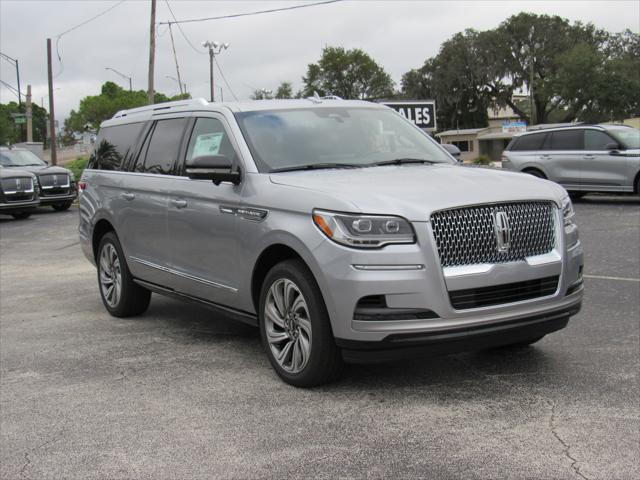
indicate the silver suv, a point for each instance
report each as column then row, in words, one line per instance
column 585, row 158
column 339, row 228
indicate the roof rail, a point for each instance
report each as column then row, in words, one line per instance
column 318, row 99
column 331, row 97
column 161, row 106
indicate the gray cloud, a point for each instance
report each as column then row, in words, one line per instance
column 264, row 50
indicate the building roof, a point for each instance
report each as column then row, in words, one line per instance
column 466, row 131
column 497, row 135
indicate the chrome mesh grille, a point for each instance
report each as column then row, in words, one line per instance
column 466, row 236
column 58, row 180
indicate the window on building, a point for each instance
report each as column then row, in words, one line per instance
column 162, row 147
column 464, row 145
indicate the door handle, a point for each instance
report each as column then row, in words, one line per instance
column 589, row 157
column 128, row 196
column 179, row 203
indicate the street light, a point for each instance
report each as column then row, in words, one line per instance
column 184, row 85
column 121, row 74
column 215, row 48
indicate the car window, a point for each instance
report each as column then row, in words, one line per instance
column 162, row 147
column 113, row 145
column 628, row 137
column 567, row 140
column 597, row 140
column 529, row 142
column 19, row 158
column 209, row 137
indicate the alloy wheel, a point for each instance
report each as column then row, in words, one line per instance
column 110, row 275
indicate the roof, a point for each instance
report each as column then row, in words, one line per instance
column 497, row 135
column 467, row 131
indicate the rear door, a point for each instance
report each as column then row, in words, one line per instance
column 564, row 156
column 202, row 219
column 603, row 168
column 145, row 200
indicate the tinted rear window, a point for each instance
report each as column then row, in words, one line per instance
column 529, row 142
column 114, row 145
column 567, row 140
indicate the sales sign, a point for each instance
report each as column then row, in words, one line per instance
column 422, row 113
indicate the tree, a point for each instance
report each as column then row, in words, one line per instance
column 261, row 94
column 93, row 110
column 350, row 74
column 284, row 90
column 10, row 132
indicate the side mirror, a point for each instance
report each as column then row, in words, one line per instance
column 46, row 161
column 612, row 146
column 217, row 168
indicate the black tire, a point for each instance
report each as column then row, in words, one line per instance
column 576, row 195
column 132, row 299
column 536, row 173
column 638, row 185
column 61, row 207
column 21, row 215
column 324, row 360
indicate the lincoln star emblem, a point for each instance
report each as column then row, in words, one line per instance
column 55, row 180
column 18, row 184
column 502, row 230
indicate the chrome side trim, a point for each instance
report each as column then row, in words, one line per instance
column 183, row 275
column 388, row 267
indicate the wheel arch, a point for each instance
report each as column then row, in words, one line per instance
column 636, row 183
column 102, row 227
column 529, row 168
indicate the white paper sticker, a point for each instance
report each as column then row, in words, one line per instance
column 207, row 144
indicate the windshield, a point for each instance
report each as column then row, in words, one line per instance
column 629, row 137
column 19, row 158
column 331, row 137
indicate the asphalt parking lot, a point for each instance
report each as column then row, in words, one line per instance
column 183, row 393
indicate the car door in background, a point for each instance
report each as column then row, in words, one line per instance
column 144, row 225
column 603, row 165
column 562, row 154
column 202, row 220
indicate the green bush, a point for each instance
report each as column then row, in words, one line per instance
column 482, row 160
column 77, row 166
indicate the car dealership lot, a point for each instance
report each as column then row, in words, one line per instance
column 183, row 393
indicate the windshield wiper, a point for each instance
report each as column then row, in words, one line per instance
column 316, row 166
column 402, row 161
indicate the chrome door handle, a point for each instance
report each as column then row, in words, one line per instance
column 179, row 203
column 589, row 157
column 128, row 196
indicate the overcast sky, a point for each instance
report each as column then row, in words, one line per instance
column 264, row 49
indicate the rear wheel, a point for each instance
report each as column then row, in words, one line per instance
column 121, row 296
column 523, row 343
column 638, row 185
column 295, row 328
column 61, row 207
column 576, row 195
column 21, row 215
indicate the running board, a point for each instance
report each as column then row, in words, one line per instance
column 238, row 315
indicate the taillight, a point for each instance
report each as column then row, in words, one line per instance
column 82, row 185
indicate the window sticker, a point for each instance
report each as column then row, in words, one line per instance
column 207, row 144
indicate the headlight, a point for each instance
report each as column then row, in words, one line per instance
column 567, row 211
column 72, row 177
column 363, row 231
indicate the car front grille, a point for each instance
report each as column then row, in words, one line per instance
column 18, row 189
column 467, row 236
column 505, row 293
column 54, row 180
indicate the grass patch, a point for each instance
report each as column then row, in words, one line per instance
column 77, row 166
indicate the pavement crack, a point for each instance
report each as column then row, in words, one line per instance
column 22, row 472
column 565, row 446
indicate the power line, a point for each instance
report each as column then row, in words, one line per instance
column 59, row 36
column 259, row 12
column 10, row 87
column 224, row 78
column 182, row 31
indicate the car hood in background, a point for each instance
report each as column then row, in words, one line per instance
column 414, row 191
column 44, row 169
column 14, row 172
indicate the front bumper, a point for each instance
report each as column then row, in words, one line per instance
column 17, row 207
column 419, row 283
column 55, row 199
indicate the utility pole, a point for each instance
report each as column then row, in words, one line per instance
column 175, row 57
column 29, row 116
column 215, row 48
column 52, row 117
column 152, row 52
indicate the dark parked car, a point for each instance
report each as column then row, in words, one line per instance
column 453, row 150
column 56, row 185
column 18, row 193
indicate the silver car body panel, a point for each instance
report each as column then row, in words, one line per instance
column 204, row 240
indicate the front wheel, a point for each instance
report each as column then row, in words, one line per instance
column 21, row 215
column 61, row 207
column 295, row 328
column 121, row 296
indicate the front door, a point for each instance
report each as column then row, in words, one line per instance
column 563, row 156
column 202, row 221
column 603, row 167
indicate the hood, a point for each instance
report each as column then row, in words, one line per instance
column 44, row 169
column 14, row 173
column 414, row 191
